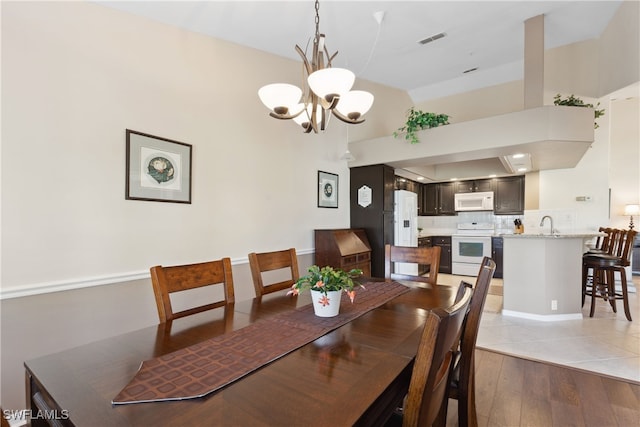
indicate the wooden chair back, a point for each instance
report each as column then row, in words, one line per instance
column 418, row 255
column 462, row 378
column 270, row 261
column 430, row 375
column 167, row 280
column 625, row 246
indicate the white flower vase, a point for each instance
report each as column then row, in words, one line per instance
column 326, row 305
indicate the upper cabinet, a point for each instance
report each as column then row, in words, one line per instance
column 509, row 196
column 475, row 185
column 438, row 199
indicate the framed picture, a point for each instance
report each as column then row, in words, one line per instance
column 158, row 169
column 327, row 190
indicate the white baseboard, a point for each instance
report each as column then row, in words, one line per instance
column 543, row 317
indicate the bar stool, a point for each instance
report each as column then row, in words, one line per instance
column 604, row 245
column 604, row 267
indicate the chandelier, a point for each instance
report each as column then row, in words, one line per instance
column 326, row 91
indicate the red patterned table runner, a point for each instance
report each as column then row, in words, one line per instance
column 202, row 368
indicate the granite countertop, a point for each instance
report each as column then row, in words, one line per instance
column 553, row 236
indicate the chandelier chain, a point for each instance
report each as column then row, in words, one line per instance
column 317, row 36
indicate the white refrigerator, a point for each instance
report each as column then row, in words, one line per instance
column 405, row 216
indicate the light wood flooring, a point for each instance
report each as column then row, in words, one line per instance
column 512, row 391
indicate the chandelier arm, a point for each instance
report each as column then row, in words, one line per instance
column 307, row 66
column 326, row 51
column 285, row 116
column 346, row 119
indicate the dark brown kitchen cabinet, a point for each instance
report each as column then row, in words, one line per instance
column 445, row 252
column 509, row 196
column 496, row 255
column 425, row 242
column 438, row 199
column 473, row 186
column 376, row 216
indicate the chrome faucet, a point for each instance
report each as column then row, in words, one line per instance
column 550, row 222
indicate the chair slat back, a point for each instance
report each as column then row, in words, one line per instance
column 627, row 238
column 430, row 376
column 270, row 261
column 168, row 280
column 418, row 255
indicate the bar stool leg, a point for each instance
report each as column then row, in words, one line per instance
column 611, row 289
column 625, row 295
column 595, row 284
column 585, row 279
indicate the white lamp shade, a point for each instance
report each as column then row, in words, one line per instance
column 280, row 95
column 632, row 210
column 331, row 81
column 304, row 116
column 355, row 101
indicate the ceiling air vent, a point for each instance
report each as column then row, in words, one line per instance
column 432, row 38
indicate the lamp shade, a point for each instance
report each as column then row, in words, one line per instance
column 337, row 81
column 355, row 101
column 278, row 95
column 632, row 210
column 304, row 116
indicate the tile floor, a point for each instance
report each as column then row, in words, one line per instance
column 607, row 343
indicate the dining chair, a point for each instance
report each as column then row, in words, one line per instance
column 604, row 267
column 462, row 375
column 170, row 280
column 412, row 254
column 428, row 384
column 271, row 261
column 605, row 244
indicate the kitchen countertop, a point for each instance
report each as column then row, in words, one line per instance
column 553, row 236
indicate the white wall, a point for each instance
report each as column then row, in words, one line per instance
column 71, row 90
column 75, row 75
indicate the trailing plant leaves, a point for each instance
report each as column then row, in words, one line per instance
column 418, row 120
column 573, row 101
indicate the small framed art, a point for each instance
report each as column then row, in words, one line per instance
column 158, row 169
column 327, row 190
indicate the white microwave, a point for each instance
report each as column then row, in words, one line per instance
column 480, row 201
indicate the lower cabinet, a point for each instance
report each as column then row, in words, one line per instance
column 496, row 255
column 424, row 268
column 445, row 252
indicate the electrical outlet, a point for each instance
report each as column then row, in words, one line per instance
column 554, row 304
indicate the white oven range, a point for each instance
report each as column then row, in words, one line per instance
column 469, row 245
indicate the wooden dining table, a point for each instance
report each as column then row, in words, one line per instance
column 354, row 375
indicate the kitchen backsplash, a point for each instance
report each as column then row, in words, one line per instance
column 564, row 220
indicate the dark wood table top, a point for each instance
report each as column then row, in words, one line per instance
column 347, row 377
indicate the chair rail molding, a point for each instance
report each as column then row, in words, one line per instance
column 87, row 282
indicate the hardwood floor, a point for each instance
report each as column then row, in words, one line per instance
column 512, row 391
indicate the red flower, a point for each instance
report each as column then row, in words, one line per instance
column 324, row 301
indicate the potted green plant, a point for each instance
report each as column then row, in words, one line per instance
column 326, row 284
column 577, row 102
column 418, row 120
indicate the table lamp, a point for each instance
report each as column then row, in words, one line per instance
column 631, row 210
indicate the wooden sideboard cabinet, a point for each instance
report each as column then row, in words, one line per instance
column 345, row 249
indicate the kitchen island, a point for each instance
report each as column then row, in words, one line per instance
column 542, row 275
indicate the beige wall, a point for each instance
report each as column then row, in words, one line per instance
column 75, row 75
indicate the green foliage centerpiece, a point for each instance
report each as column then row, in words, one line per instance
column 326, row 284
